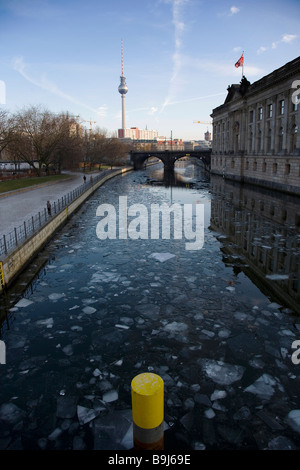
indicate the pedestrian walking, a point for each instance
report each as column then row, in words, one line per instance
column 49, row 207
column 84, row 178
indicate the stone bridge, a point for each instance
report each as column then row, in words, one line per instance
column 169, row 157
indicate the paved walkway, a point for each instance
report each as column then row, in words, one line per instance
column 23, row 204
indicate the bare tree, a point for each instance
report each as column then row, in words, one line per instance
column 94, row 147
column 116, row 152
column 69, row 145
column 46, row 140
column 40, row 137
column 6, row 129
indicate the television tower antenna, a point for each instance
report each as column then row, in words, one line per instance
column 123, row 88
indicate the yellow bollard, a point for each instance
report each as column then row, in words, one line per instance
column 147, row 393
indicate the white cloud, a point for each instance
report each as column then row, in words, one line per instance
column 261, row 50
column 288, row 37
column 153, row 110
column 237, row 49
column 234, row 10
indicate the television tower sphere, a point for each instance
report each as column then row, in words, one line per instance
column 123, row 88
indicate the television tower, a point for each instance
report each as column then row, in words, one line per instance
column 123, row 88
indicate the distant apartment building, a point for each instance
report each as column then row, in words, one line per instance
column 75, row 129
column 164, row 143
column 256, row 131
column 134, row 133
column 191, row 145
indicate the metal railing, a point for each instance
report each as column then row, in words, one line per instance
column 24, row 231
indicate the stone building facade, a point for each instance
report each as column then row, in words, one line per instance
column 256, row 135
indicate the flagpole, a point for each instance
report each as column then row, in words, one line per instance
column 243, row 65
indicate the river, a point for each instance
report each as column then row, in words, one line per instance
column 217, row 317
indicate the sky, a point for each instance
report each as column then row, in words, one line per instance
column 179, row 57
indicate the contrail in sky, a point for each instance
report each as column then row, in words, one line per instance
column 179, row 28
column 20, row 66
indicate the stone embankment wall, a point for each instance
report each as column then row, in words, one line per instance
column 279, row 173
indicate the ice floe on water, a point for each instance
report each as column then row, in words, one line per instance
column 105, row 277
column 23, row 303
column 293, row 419
column 265, row 387
column 162, row 257
column 224, row 333
column 221, row 372
column 68, row 350
column 89, row 310
column 175, row 327
column 85, row 415
column 209, row 414
column 47, row 322
column 111, row 395
column 56, row 296
column 218, row 395
column 11, row 413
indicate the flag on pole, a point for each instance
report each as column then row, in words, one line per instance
column 240, row 62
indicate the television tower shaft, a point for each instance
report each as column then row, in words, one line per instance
column 123, row 89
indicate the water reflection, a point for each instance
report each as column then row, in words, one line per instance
column 185, row 174
column 262, row 228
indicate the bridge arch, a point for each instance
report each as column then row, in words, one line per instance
column 169, row 158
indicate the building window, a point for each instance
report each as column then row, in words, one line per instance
column 251, row 116
column 270, row 110
column 232, row 163
column 247, row 165
column 281, row 106
column 264, row 166
column 295, row 104
column 254, row 166
column 287, row 169
column 260, row 114
column 274, row 167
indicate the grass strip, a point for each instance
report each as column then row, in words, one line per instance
column 12, row 185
